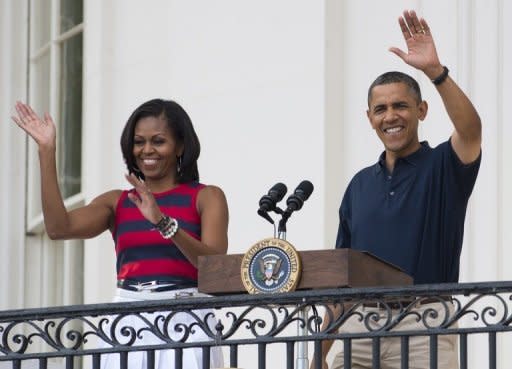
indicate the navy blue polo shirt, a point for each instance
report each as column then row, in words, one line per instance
column 413, row 217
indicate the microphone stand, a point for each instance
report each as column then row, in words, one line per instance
column 301, row 360
column 285, row 215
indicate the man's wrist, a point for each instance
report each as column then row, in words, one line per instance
column 434, row 71
column 441, row 77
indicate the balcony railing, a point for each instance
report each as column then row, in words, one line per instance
column 291, row 322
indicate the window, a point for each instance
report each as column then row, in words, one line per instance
column 54, row 270
column 55, row 86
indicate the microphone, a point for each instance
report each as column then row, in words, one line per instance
column 301, row 194
column 295, row 202
column 268, row 202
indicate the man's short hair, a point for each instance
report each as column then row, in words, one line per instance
column 396, row 77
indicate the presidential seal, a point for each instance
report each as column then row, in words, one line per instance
column 272, row 265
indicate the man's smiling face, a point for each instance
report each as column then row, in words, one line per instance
column 394, row 113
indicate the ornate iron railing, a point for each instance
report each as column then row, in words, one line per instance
column 236, row 321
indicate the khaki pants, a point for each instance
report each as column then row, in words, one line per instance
column 390, row 347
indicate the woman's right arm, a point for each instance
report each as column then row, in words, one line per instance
column 84, row 222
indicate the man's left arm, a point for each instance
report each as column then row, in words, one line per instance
column 467, row 136
column 421, row 54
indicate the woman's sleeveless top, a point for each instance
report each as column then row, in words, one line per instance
column 142, row 253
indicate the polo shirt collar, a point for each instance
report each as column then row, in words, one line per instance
column 414, row 158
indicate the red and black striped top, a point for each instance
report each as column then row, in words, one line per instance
column 142, row 253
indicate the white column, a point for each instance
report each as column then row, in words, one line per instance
column 13, row 40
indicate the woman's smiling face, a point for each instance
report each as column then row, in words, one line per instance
column 155, row 148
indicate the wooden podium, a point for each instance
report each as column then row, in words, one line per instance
column 220, row 274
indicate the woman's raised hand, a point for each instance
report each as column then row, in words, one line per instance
column 41, row 130
column 144, row 199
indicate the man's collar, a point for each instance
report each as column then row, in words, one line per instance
column 413, row 158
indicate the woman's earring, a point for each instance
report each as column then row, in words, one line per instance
column 178, row 167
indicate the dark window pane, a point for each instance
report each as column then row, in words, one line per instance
column 70, row 122
column 71, row 14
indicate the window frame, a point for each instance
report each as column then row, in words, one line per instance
column 52, row 48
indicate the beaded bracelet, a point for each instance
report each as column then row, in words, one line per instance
column 167, row 227
column 162, row 223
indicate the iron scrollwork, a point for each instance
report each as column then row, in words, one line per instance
column 249, row 319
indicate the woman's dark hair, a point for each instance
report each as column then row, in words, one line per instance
column 396, row 77
column 181, row 128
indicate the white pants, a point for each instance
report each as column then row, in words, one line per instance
column 164, row 359
column 390, row 347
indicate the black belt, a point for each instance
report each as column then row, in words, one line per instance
column 152, row 286
column 404, row 303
